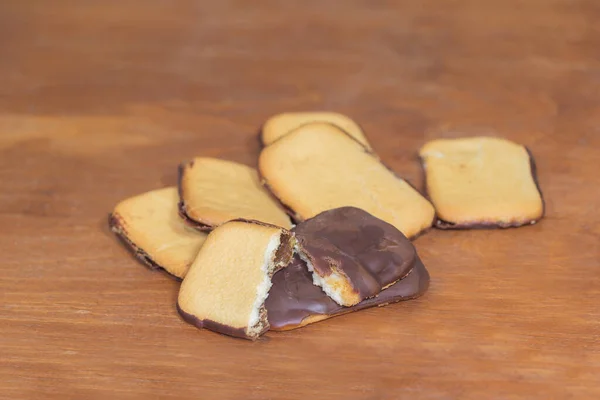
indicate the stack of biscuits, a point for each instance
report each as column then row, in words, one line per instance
column 323, row 228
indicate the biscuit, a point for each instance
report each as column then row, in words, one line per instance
column 226, row 286
column 150, row 226
column 214, row 191
column 352, row 254
column 318, row 167
column 281, row 124
column 294, row 301
column 481, row 182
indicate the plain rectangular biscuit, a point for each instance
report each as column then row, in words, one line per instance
column 151, row 227
column 318, row 167
column 281, row 124
column 214, row 191
column 481, row 182
column 226, row 286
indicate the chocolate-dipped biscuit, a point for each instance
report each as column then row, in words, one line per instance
column 228, row 282
column 352, row 254
column 294, row 301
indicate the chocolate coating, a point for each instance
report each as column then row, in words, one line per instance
column 294, row 300
column 214, row 326
column 370, row 252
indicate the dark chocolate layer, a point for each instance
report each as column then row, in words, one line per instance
column 294, row 298
column 285, row 251
column 215, row 326
column 371, row 253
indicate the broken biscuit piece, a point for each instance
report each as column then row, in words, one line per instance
column 481, row 182
column 281, row 124
column 318, row 167
column 150, row 226
column 214, row 191
column 353, row 255
column 226, row 286
column 294, row 301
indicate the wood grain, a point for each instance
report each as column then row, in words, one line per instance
column 101, row 100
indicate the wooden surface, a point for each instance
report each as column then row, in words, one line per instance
column 100, row 100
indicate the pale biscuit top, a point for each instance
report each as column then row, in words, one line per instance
column 481, row 180
column 229, row 274
column 215, row 191
column 318, row 167
column 282, row 124
column 151, row 222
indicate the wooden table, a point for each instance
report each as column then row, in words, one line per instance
column 101, row 100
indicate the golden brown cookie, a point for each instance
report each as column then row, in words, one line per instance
column 215, row 191
column 226, row 286
column 281, row 124
column 318, row 167
column 150, row 225
column 481, row 181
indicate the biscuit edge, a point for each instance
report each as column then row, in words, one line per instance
column 442, row 224
column 181, row 205
column 295, row 216
column 281, row 259
column 116, row 226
